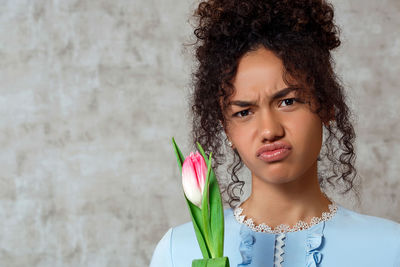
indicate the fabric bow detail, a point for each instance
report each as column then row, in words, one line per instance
column 246, row 245
column 313, row 243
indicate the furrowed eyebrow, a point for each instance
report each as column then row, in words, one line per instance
column 277, row 95
column 242, row 104
column 283, row 92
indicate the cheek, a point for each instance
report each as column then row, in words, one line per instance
column 236, row 131
column 308, row 134
column 241, row 136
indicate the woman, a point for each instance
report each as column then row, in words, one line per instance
column 265, row 81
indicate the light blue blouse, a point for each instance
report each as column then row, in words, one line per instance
column 347, row 239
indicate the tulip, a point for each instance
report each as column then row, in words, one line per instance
column 203, row 197
column 194, row 173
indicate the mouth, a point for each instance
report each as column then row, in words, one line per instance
column 274, row 155
column 276, row 151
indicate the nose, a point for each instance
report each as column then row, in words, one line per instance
column 270, row 127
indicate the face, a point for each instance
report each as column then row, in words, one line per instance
column 260, row 115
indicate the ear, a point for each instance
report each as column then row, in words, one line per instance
column 227, row 136
column 220, row 122
column 331, row 116
column 223, row 127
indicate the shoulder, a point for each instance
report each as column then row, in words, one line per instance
column 350, row 228
column 368, row 223
column 162, row 252
column 182, row 238
column 168, row 251
column 361, row 239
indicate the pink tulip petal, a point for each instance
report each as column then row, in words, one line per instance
column 201, row 170
column 194, row 171
column 189, row 181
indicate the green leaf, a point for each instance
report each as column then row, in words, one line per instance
column 216, row 210
column 178, row 154
column 217, row 216
column 216, row 262
column 205, row 212
column 195, row 212
column 196, row 216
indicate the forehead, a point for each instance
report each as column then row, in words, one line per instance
column 259, row 70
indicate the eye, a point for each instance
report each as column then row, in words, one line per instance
column 289, row 101
column 242, row 113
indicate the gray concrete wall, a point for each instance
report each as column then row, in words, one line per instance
column 91, row 93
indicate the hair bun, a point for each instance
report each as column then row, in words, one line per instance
column 232, row 19
column 314, row 17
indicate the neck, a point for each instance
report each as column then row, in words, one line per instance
column 286, row 203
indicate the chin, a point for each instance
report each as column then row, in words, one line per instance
column 277, row 180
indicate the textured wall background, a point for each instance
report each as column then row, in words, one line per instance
column 91, row 93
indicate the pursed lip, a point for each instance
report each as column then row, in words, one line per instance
column 274, row 146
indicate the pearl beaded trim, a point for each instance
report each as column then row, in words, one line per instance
column 284, row 228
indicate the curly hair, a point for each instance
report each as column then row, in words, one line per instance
column 299, row 32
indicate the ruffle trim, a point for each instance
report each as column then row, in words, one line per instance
column 246, row 245
column 284, row 228
column 314, row 242
column 313, row 245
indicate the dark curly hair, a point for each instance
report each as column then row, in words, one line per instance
column 299, row 32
